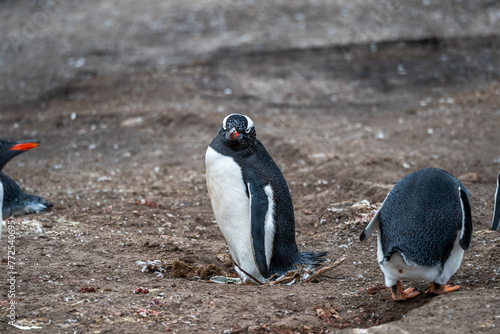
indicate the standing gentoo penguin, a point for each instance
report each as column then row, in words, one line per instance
column 496, row 210
column 424, row 226
column 252, row 205
column 9, row 150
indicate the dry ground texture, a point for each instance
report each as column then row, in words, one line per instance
column 347, row 96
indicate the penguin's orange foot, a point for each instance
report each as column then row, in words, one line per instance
column 439, row 289
column 399, row 295
column 411, row 292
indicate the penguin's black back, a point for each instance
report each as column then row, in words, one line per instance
column 422, row 216
column 259, row 168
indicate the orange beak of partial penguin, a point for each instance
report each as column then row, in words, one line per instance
column 233, row 133
column 24, row 146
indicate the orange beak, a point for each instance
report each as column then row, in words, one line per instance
column 233, row 134
column 24, row 146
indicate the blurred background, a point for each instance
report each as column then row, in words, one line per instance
column 47, row 45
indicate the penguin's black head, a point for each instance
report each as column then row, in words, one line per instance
column 238, row 132
column 9, row 149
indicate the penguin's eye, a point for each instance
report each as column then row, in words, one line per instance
column 247, row 130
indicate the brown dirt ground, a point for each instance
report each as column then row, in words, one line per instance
column 122, row 159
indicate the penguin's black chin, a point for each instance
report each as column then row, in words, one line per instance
column 236, row 142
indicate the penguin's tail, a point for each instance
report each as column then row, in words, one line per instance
column 30, row 204
column 311, row 259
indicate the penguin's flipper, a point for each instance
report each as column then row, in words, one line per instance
column 496, row 213
column 373, row 224
column 371, row 227
column 259, row 205
column 466, row 238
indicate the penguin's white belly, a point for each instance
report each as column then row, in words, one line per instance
column 231, row 206
column 397, row 268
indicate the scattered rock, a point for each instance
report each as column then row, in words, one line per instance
column 132, row 122
column 141, row 290
column 345, row 212
column 225, row 280
column 148, row 203
column 470, row 177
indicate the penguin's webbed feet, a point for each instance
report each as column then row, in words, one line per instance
column 439, row 289
column 398, row 294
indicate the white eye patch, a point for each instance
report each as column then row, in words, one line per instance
column 225, row 120
column 250, row 124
